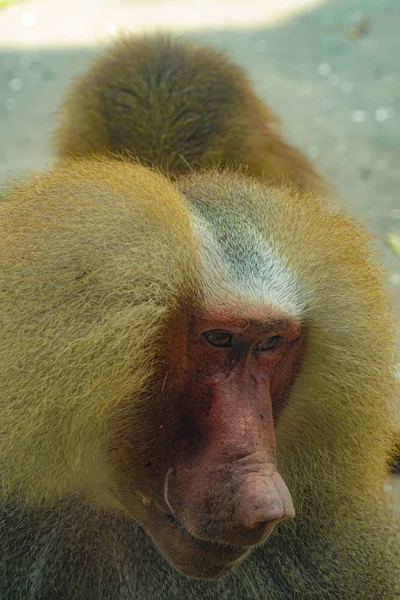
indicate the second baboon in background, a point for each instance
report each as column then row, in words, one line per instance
column 178, row 106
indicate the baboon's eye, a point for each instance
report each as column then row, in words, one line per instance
column 218, row 338
column 269, row 344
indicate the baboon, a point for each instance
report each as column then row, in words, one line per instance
column 185, row 367
column 178, row 106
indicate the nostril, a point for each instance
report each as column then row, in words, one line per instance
column 260, row 517
column 258, row 524
column 264, row 527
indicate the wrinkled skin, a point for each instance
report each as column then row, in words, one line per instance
column 213, row 491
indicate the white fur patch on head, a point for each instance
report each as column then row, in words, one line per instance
column 240, row 268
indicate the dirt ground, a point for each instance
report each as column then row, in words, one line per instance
column 329, row 68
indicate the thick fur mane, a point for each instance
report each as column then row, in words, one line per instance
column 96, row 256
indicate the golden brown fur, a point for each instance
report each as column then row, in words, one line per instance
column 79, row 263
column 177, row 106
column 96, row 256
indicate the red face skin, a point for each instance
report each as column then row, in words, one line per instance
column 211, row 490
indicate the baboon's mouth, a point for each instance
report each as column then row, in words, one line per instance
column 228, row 551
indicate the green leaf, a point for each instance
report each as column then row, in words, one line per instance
column 394, row 243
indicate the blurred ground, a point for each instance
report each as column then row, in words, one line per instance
column 330, row 68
